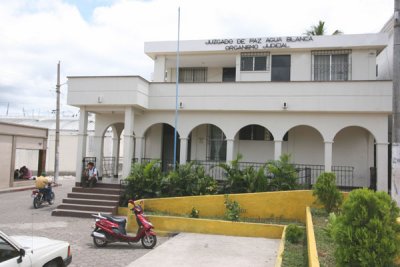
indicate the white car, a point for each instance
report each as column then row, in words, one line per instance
column 33, row 251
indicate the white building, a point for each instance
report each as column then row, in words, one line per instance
column 68, row 144
column 316, row 98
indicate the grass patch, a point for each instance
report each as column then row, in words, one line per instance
column 295, row 255
column 325, row 244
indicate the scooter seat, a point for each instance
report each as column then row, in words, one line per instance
column 115, row 219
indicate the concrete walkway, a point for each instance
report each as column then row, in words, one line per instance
column 200, row 250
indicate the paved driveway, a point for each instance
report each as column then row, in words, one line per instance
column 18, row 217
column 198, row 250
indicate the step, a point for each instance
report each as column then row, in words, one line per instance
column 74, row 213
column 102, row 185
column 93, row 196
column 95, row 190
column 94, row 208
column 84, row 201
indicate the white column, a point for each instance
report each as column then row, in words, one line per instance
column 139, row 148
column 328, row 156
column 115, row 153
column 183, row 150
column 128, row 141
column 82, row 138
column 277, row 149
column 98, row 144
column 382, row 167
column 229, row 150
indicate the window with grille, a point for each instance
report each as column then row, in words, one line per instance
column 333, row 65
column 216, row 144
column 254, row 61
column 192, row 75
column 255, row 132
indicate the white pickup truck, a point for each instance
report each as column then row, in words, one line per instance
column 33, row 251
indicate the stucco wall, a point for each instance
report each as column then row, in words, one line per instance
column 5, row 160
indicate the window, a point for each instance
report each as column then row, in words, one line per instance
column 192, row 75
column 216, row 144
column 280, row 68
column 255, row 132
column 7, row 251
column 229, row 74
column 254, row 62
column 332, row 65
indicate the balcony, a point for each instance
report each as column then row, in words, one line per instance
column 346, row 96
column 301, row 96
column 108, row 90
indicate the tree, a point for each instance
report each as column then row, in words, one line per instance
column 320, row 29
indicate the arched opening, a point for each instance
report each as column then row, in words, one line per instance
column 112, row 151
column 207, row 142
column 354, row 151
column 255, row 143
column 305, row 144
column 159, row 144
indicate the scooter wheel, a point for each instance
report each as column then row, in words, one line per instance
column 100, row 243
column 149, row 241
column 36, row 203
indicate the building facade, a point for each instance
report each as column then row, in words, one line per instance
column 14, row 137
column 316, row 98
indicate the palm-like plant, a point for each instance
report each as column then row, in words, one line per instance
column 320, row 29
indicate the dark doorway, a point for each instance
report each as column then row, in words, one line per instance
column 280, row 68
column 167, row 157
column 229, row 74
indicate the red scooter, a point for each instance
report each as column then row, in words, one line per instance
column 109, row 229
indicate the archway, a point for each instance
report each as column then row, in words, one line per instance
column 255, row 143
column 112, row 151
column 354, row 154
column 159, row 144
column 207, row 142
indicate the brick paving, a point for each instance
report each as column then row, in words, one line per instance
column 18, row 217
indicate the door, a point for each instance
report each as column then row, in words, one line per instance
column 280, row 68
column 168, row 147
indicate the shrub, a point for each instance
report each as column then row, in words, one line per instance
column 188, row 180
column 194, row 213
column 246, row 180
column 331, row 223
column 327, row 193
column 366, row 232
column 294, row 233
column 284, row 175
column 144, row 180
column 232, row 212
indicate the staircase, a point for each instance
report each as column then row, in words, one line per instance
column 83, row 202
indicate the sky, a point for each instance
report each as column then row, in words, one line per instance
column 106, row 37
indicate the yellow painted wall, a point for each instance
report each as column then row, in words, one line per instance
column 204, row 226
column 311, row 244
column 284, row 204
column 279, row 258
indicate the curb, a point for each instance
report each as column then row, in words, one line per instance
column 22, row 188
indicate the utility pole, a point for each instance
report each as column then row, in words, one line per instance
column 57, row 153
column 396, row 105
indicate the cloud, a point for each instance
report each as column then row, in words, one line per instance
column 34, row 35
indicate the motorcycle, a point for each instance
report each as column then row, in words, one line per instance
column 109, row 229
column 38, row 196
